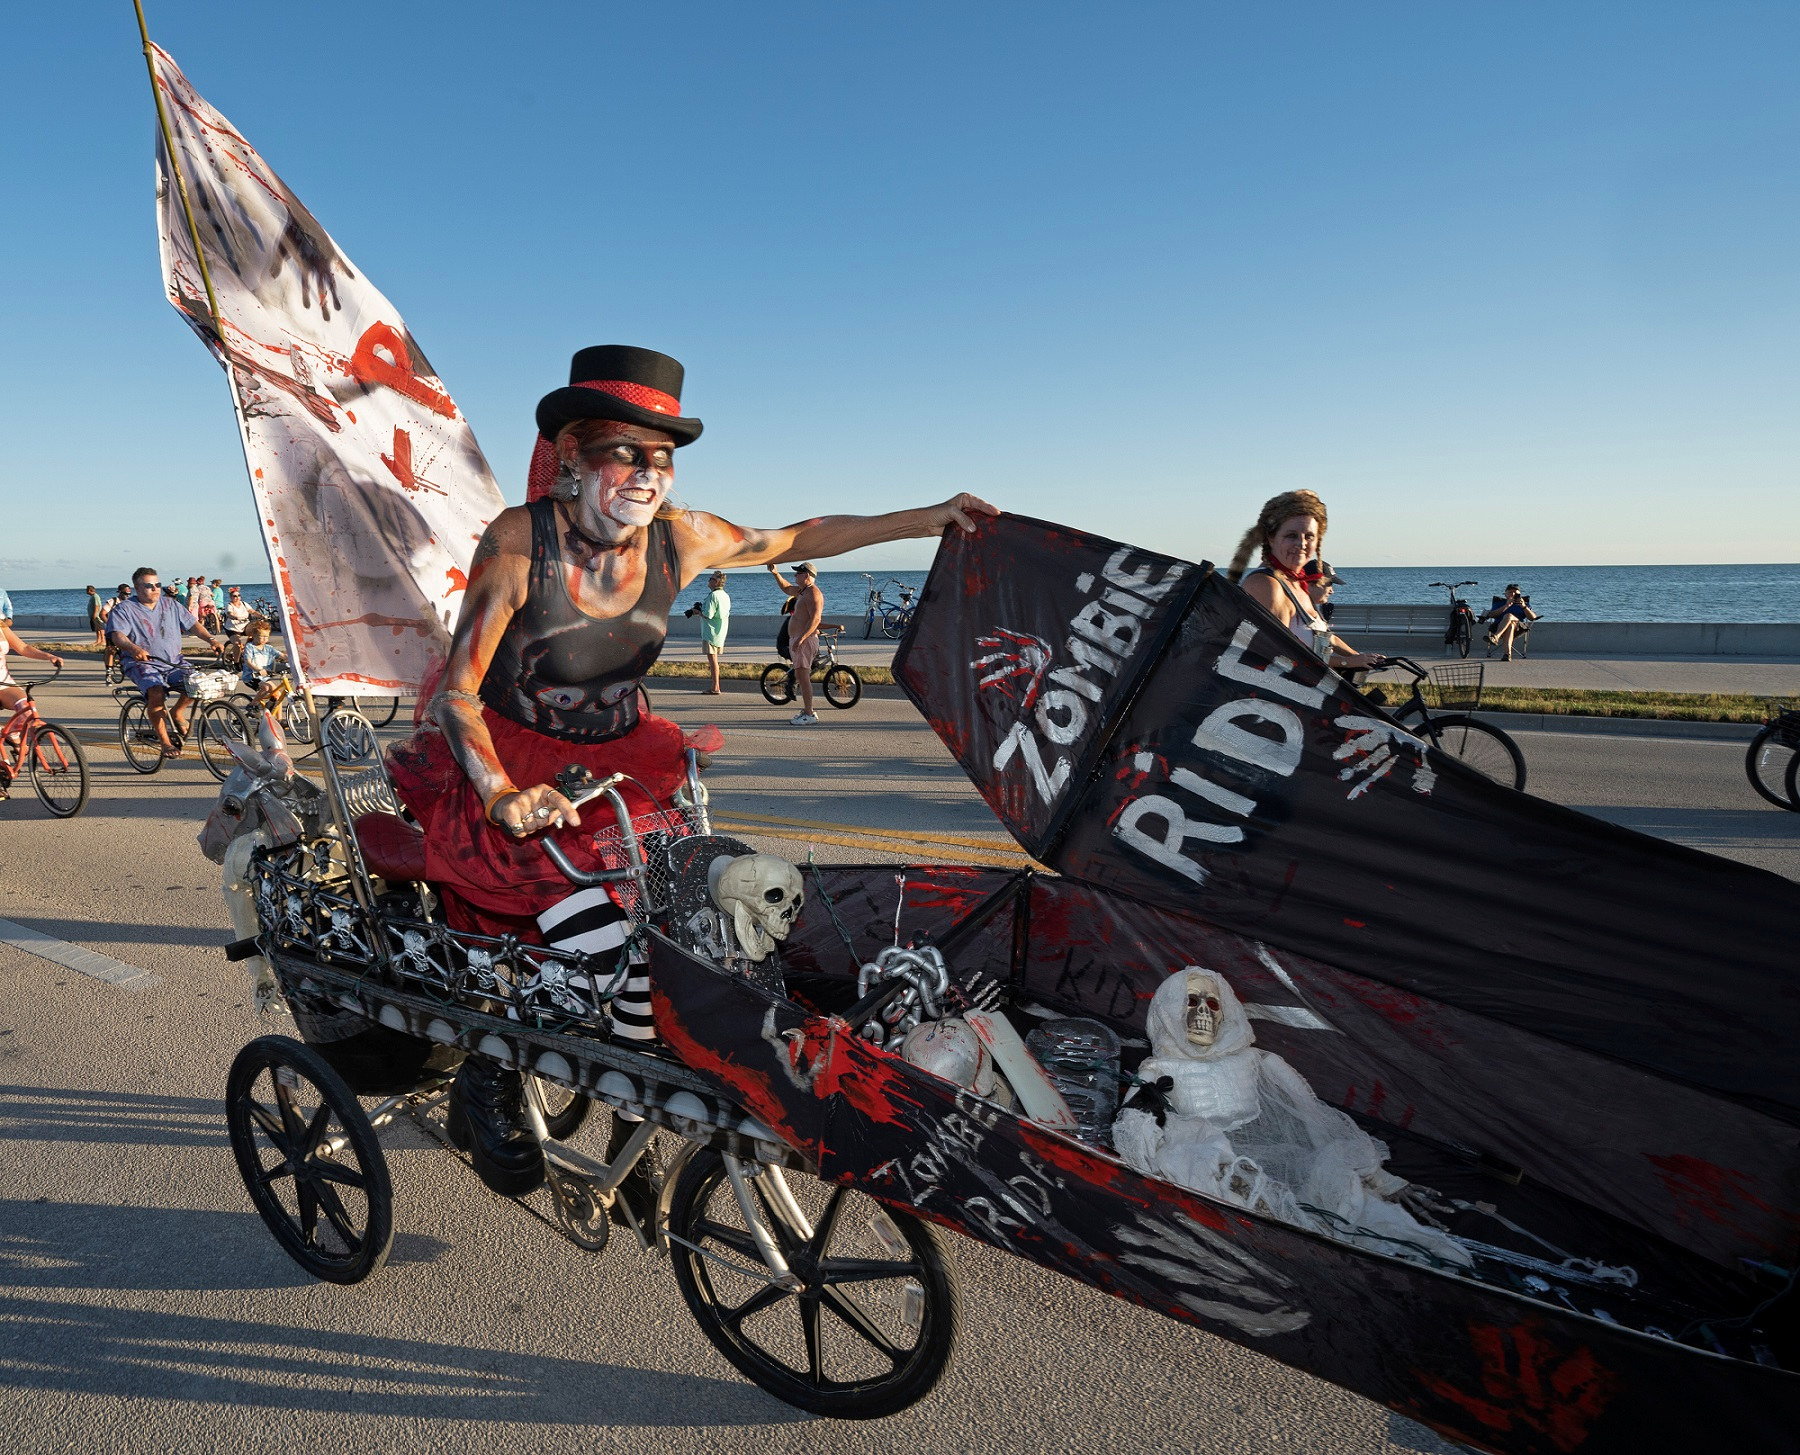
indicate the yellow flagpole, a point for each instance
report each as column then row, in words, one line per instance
column 187, row 206
column 358, row 877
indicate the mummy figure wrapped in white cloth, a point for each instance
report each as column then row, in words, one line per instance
column 1243, row 1126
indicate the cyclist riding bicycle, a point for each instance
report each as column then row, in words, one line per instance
column 146, row 628
column 11, row 694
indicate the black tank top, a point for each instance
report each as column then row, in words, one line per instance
column 570, row 675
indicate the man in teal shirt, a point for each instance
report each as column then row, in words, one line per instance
column 715, row 619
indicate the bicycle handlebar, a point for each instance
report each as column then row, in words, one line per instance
column 1453, row 585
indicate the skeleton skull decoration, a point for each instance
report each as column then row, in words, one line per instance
column 762, row 894
column 1204, row 1008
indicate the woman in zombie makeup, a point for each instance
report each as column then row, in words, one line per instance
column 566, row 609
column 1288, row 533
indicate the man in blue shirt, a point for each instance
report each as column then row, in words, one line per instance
column 147, row 628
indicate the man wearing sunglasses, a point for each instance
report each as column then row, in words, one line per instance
column 146, row 628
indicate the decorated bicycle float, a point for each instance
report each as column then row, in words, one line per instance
column 1277, row 1050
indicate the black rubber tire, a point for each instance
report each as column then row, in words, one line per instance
column 704, row 1211
column 1482, row 746
column 380, row 711
column 778, row 683
column 143, row 749
column 222, row 722
column 1461, row 635
column 1793, row 783
column 1768, row 763
column 868, row 626
column 59, row 770
column 291, row 1129
column 565, row 1110
column 894, row 625
column 843, row 688
column 296, row 721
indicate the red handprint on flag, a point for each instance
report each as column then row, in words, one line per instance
column 1014, row 665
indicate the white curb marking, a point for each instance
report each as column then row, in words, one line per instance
column 74, row 957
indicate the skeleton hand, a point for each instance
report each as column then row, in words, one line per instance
column 527, row 811
column 1371, row 745
column 1012, row 654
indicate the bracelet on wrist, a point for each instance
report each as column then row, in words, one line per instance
column 487, row 809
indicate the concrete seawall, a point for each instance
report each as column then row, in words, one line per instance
column 1762, row 640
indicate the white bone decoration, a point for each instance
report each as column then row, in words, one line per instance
column 763, row 895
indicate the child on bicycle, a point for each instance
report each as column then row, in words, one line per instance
column 261, row 662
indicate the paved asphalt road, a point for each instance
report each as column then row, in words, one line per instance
column 144, row 1307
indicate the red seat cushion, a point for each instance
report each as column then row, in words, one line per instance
column 391, row 847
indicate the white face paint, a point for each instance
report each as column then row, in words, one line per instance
column 623, row 484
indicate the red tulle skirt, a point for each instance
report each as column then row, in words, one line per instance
column 493, row 883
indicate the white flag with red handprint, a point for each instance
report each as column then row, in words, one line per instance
column 370, row 489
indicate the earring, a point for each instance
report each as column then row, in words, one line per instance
column 567, row 484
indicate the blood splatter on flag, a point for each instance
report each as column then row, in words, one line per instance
column 370, row 487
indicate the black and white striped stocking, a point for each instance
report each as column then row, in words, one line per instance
column 590, row 921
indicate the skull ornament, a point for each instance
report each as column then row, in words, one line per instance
column 762, row 894
column 1204, row 1009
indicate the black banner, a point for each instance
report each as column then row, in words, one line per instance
column 1142, row 725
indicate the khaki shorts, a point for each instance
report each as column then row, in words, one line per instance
column 805, row 653
column 712, row 649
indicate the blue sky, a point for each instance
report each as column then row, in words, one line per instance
column 1503, row 282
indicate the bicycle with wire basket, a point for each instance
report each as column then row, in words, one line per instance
column 1460, row 634
column 1772, row 761
column 217, row 723
column 892, row 618
column 1458, row 686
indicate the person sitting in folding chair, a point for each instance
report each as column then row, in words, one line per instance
column 567, row 608
column 1511, row 614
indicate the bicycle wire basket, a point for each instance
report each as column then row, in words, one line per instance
column 1458, row 684
column 655, row 831
column 1786, row 722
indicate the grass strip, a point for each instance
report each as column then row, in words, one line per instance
column 1594, row 702
column 871, row 675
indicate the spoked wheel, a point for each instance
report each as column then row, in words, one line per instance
column 1769, row 762
column 778, row 683
column 379, row 710
column 59, row 770
column 143, row 749
column 310, row 1160
column 894, row 625
column 870, row 1330
column 1484, row 748
column 843, row 688
column 1793, row 783
column 296, row 721
column 114, row 673
column 1461, row 636
column 221, row 724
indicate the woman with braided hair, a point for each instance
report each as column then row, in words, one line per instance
column 1289, row 533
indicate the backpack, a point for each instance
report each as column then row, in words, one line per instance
column 781, row 637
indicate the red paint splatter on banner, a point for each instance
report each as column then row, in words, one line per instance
column 381, row 357
column 870, row 1080
column 1527, row 1383
column 458, row 581
column 1721, row 1196
column 754, row 1088
column 1357, row 924
column 1099, row 1171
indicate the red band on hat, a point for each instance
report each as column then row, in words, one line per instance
column 638, row 394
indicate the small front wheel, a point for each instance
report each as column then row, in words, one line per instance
column 1482, row 747
column 296, row 721
column 1460, row 635
column 310, row 1159
column 59, row 770
column 843, row 688
column 778, row 683
column 872, row 1325
column 221, row 725
column 137, row 736
column 1769, row 764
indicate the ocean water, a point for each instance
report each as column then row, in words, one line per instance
column 73, row 599
column 1565, row 593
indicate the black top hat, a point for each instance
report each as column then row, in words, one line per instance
column 616, row 381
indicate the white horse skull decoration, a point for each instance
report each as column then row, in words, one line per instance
column 762, row 894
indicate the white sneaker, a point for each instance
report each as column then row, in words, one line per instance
column 804, row 719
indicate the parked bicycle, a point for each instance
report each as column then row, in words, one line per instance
column 1461, row 632
column 1772, row 760
column 218, row 722
column 843, row 688
column 892, row 618
column 47, row 751
column 1481, row 745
